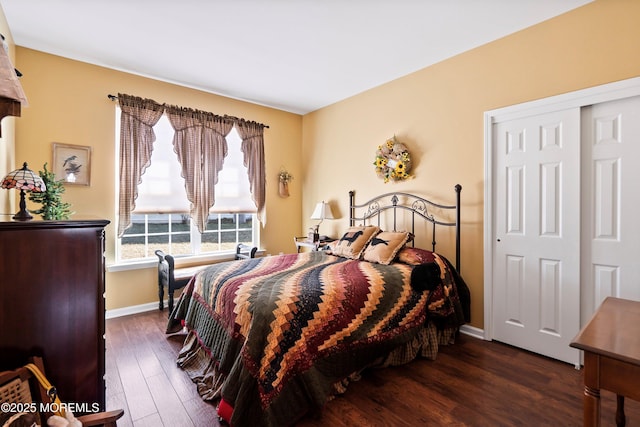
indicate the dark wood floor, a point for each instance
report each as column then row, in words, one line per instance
column 472, row 383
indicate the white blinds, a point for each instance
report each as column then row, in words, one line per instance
column 162, row 187
column 232, row 190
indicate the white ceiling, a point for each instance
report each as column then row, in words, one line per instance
column 294, row 55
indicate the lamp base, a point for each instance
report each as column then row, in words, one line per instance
column 23, row 214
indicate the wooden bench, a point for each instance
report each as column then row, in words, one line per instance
column 177, row 278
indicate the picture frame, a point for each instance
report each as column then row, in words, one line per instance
column 72, row 163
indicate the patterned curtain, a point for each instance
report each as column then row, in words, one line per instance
column 201, row 146
column 252, row 135
column 136, row 144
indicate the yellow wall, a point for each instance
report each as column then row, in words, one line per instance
column 438, row 113
column 68, row 104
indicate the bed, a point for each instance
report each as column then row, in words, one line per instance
column 273, row 339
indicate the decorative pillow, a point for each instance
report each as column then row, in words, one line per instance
column 354, row 240
column 385, row 245
column 331, row 245
column 426, row 277
column 415, row 256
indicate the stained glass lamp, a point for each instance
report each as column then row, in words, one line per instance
column 23, row 179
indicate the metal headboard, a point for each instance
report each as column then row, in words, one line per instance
column 417, row 207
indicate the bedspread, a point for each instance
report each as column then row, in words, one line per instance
column 277, row 333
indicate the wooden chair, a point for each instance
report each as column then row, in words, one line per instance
column 175, row 279
column 21, row 387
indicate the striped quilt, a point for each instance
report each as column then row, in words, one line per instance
column 278, row 332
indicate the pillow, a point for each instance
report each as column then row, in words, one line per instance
column 354, row 240
column 384, row 246
column 426, row 277
column 331, row 245
column 415, row 256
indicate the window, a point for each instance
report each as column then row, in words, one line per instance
column 174, row 234
column 160, row 219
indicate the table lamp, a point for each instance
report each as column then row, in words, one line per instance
column 23, row 179
column 321, row 212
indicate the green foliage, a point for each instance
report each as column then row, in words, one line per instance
column 53, row 208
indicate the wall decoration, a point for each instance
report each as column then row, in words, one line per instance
column 72, row 163
column 284, row 178
column 393, row 161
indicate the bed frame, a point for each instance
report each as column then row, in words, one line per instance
column 418, row 207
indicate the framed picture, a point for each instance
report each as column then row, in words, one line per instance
column 72, row 163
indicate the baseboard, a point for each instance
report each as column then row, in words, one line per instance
column 472, row 331
column 134, row 309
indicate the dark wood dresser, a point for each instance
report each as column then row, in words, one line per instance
column 52, row 276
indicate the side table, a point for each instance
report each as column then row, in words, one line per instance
column 304, row 242
column 611, row 346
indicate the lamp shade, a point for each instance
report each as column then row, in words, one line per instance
column 24, row 179
column 322, row 211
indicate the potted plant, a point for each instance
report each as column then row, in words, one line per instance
column 53, row 208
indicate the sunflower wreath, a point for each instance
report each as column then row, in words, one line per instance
column 393, row 161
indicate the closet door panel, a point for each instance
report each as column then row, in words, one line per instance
column 536, row 269
column 611, row 202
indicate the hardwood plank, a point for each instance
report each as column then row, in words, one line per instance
column 139, row 399
column 471, row 383
column 166, row 350
column 167, row 401
column 152, row 420
column 119, row 401
column 201, row 413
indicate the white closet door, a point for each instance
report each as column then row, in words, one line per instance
column 536, row 268
column 611, row 202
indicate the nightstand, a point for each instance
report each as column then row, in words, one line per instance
column 303, row 242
